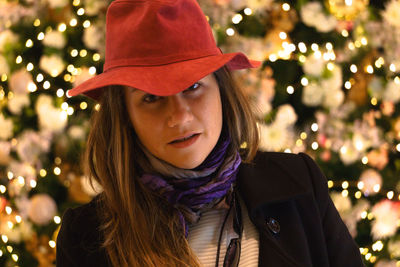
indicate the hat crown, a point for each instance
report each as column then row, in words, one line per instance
column 156, row 32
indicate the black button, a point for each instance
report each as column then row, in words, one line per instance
column 273, row 225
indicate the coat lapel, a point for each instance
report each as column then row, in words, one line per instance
column 269, row 190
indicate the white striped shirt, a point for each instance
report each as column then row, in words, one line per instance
column 203, row 238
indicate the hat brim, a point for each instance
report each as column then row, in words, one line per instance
column 162, row 80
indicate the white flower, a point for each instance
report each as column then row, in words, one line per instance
column 375, row 88
column 92, row 37
column 92, row 7
column 333, row 99
column 386, row 263
column 394, row 248
column 17, row 103
column 76, row 132
column 314, row 65
column 386, row 215
column 274, row 137
column 50, row 118
column 6, row 127
column 312, row 95
column 7, row 38
column 57, row 3
column 392, row 92
column 30, row 145
column 42, row 209
column 82, row 76
column 53, row 65
column 342, row 204
column 371, row 180
column 19, row 81
column 4, row 68
column 313, row 16
column 286, row 115
column 391, row 14
column 348, row 153
column 54, row 39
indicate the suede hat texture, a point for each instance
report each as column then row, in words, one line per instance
column 161, row 47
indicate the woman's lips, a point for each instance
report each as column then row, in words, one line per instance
column 185, row 142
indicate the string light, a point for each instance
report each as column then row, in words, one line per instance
column 14, row 257
column 353, row 68
column 302, row 47
column 57, row 171
column 390, row 195
column 76, row 2
column 83, row 53
column 92, row 70
column 10, row 175
column 247, row 11
column 4, row 77
column 29, row 43
column 237, row 18
column 273, row 58
column 60, row 92
column 96, row 57
column 330, row 184
column 283, row 35
column 345, row 193
column 357, row 195
column 314, row 47
column 62, row 27
column 97, row 107
column 374, row 101
column 290, row 89
column 314, row 145
column 52, row 244
column 285, row 6
column 345, row 185
column 364, row 41
column 70, row 111
column 3, row 189
column 9, row 249
column 304, row 81
column 364, row 160
column 57, row 219
column 369, row 69
column 73, row 22
column 83, row 105
column 80, row 11
column 40, row 36
column 29, row 67
column 42, row 172
column 36, row 22
column 18, row 219
column 392, row 67
column 39, row 78
column 314, row 127
column 230, row 32
column 86, row 24
column 32, row 87
column 33, row 183
column 18, row 60
column 46, row 85
column 299, row 142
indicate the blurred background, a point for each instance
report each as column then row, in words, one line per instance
column 329, row 86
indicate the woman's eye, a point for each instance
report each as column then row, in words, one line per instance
column 193, row 87
column 148, row 98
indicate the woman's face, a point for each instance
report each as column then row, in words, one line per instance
column 180, row 129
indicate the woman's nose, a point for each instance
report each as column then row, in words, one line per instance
column 179, row 112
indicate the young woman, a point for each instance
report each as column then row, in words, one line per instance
column 174, row 146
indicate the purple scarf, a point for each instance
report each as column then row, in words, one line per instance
column 190, row 196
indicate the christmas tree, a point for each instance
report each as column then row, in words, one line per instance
column 329, row 86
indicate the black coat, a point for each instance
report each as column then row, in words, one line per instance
column 287, row 200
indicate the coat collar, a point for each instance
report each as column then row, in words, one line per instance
column 273, row 178
column 268, row 179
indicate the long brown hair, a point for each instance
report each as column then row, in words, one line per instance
column 140, row 228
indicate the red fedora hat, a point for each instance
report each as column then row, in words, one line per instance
column 158, row 46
